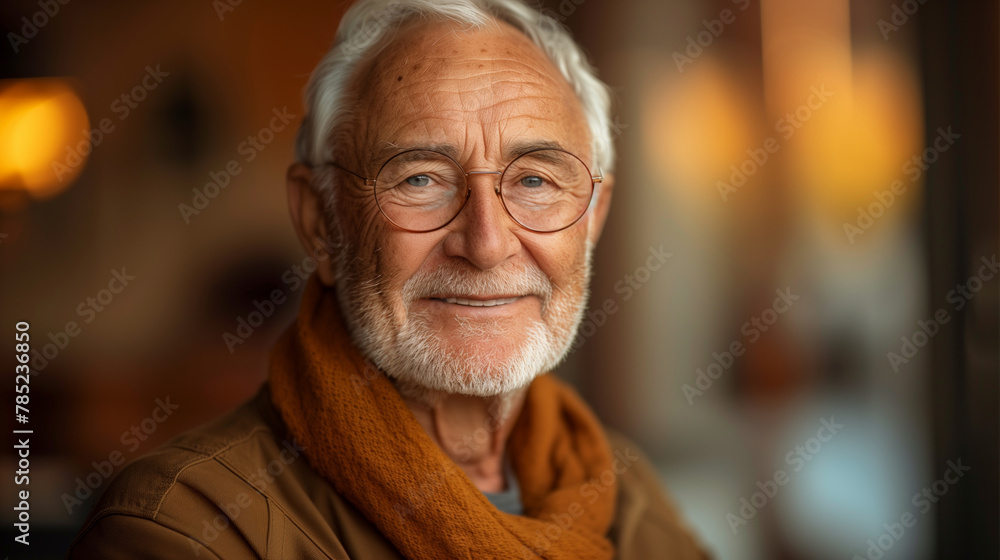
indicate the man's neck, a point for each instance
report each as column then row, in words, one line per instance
column 472, row 431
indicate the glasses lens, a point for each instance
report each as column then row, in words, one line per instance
column 547, row 190
column 420, row 190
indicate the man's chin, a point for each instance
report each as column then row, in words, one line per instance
column 487, row 346
column 481, row 384
column 477, row 354
column 490, row 365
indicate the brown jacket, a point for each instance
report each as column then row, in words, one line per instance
column 239, row 488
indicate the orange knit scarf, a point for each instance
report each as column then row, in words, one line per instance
column 359, row 435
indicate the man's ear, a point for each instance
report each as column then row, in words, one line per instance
column 308, row 217
column 601, row 207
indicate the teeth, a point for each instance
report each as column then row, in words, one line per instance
column 480, row 303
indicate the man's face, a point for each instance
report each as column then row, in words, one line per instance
column 482, row 305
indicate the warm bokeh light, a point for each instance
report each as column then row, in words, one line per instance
column 702, row 122
column 41, row 122
column 865, row 147
column 857, row 142
column 804, row 44
column 697, row 127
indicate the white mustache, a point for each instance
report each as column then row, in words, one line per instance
column 469, row 282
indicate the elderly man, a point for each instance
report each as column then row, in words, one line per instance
column 454, row 164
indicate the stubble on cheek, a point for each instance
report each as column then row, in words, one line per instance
column 571, row 280
column 364, row 281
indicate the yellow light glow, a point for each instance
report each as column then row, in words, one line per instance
column 697, row 127
column 864, row 149
column 857, row 142
column 40, row 121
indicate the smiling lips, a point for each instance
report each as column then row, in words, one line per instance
column 478, row 302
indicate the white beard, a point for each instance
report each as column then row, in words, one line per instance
column 424, row 365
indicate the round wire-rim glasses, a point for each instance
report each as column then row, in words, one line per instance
column 573, row 170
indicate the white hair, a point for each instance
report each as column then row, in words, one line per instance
column 368, row 22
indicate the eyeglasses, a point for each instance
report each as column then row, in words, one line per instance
column 544, row 190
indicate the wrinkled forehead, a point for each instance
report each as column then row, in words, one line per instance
column 435, row 83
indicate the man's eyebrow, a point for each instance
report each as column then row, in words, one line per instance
column 510, row 151
column 521, row 147
column 390, row 149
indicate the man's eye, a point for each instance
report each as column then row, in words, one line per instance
column 418, row 180
column 533, row 181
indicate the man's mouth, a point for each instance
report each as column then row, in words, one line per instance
column 478, row 302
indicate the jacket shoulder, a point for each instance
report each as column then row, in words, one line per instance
column 191, row 489
column 646, row 520
column 141, row 485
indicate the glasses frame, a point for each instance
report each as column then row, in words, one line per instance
column 498, row 189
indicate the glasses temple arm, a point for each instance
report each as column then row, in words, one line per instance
column 342, row 168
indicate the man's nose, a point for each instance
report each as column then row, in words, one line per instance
column 483, row 233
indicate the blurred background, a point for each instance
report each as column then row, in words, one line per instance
column 812, row 367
